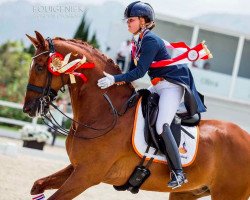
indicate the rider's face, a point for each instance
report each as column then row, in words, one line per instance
column 133, row 24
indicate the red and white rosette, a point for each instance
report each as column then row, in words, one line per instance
column 57, row 65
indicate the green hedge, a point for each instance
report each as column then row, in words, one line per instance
column 17, row 114
column 14, row 113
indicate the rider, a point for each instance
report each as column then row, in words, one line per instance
column 170, row 82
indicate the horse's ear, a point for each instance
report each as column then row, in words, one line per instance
column 40, row 39
column 33, row 40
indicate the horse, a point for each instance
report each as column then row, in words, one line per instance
column 102, row 152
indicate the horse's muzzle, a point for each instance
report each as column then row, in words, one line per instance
column 31, row 108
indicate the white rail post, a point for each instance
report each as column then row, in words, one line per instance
column 236, row 64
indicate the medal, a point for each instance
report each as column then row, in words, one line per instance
column 135, row 61
column 136, row 46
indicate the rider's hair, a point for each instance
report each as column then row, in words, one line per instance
column 149, row 24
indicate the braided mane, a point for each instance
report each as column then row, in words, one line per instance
column 97, row 53
column 100, row 55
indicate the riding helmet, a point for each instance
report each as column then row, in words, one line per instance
column 139, row 9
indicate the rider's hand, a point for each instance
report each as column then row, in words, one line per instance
column 107, row 81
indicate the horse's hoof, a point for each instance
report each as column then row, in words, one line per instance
column 37, row 188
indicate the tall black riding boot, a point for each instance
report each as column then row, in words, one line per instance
column 172, row 153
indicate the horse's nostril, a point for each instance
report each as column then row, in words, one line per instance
column 26, row 109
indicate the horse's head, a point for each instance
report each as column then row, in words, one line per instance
column 54, row 65
column 42, row 85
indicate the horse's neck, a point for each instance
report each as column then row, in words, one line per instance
column 88, row 104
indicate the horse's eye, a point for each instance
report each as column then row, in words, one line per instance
column 39, row 68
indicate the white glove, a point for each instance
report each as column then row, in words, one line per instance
column 107, row 81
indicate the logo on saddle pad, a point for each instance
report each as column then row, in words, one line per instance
column 182, row 148
column 188, row 145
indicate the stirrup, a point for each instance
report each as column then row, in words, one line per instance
column 179, row 180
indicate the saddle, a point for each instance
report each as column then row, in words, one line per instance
column 150, row 110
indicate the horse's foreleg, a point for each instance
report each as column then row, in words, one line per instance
column 53, row 181
column 80, row 179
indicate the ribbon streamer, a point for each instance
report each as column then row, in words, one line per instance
column 58, row 65
column 188, row 54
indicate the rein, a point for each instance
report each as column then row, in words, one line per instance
column 109, row 127
column 49, row 94
column 129, row 104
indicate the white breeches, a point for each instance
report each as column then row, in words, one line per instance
column 170, row 98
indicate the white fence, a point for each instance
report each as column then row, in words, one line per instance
column 19, row 122
column 14, row 121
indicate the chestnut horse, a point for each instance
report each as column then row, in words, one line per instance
column 221, row 168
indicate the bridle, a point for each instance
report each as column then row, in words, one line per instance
column 49, row 94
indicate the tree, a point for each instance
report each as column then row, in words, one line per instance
column 94, row 41
column 14, row 67
column 82, row 33
column 31, row 50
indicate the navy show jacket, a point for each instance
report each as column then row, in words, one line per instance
column 153, row 49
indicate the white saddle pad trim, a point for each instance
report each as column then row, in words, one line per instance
column 188, row 147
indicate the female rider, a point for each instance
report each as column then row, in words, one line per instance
column 170, row 82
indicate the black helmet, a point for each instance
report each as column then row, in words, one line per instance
column 139, row 9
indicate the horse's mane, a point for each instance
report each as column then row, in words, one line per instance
column 97, row 53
